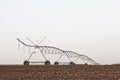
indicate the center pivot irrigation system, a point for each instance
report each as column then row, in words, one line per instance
column 53, row 51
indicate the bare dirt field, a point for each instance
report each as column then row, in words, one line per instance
column 66, row 72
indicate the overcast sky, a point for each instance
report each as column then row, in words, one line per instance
column 89, row 27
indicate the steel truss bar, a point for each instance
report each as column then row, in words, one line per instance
column 42, row 54
column 24, row 43
column 37, row 62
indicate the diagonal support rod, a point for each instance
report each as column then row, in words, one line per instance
column 42, row 40
column 30, row 41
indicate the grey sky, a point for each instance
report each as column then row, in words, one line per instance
column 89, row 27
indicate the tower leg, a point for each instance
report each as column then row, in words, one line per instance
column 30, row 56
column 59, row 58
column 46, row 62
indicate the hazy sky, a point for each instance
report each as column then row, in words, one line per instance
column 89, row 27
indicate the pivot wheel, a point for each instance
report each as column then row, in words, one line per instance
column 56, row 63
column 47, row 62
column 72, row 63
column 26, row 63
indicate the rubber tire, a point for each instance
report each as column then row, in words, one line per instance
column 56, row 63
column 26, row 63
column 47, row 62
column 72, row 63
